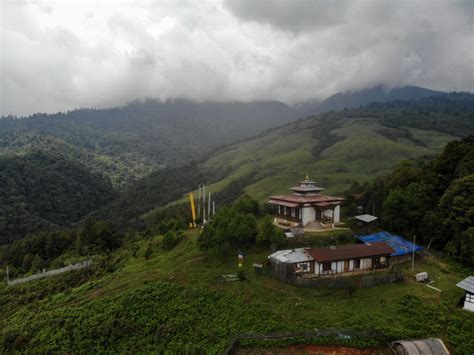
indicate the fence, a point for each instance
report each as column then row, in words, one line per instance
column 284, row 272
column 77, row 266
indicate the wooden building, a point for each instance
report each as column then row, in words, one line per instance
column 335, row 260
column 306, row 205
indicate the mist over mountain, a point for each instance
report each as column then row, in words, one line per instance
column 128, row 142
column 350, row 99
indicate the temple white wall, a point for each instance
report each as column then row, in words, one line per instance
column 337, row 212
column 308, row 215
column 327, row 213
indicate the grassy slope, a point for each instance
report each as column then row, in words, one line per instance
column 196, row 309
column 282, row 157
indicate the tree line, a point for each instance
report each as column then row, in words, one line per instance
column 432, row 199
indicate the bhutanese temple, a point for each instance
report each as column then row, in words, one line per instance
column 306, row 207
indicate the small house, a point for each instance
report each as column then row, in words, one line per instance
column 334, row 260
column 468, row 285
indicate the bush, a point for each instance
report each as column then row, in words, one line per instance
column 171, row 239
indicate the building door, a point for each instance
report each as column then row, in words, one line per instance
column 346, row 265
column 318, row 215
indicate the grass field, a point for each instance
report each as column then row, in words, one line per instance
column 177, row 300
column 282, row 157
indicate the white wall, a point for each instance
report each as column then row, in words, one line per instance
column 365, row 263
column 351, row 265
column 340, row 266
column 469, row 306
column 308, row 215
column 316, row 267
column 327, row 213
column 337, row 212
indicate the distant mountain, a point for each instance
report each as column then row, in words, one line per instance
column 336, row 148
column 126, row 143
column 41, row 190
column 350, row 99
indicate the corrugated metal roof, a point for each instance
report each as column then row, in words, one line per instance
column 367, row 218
column 467, row 284
column 349, row 251
column 399, row 244
column 291, row 256
column 430, row 346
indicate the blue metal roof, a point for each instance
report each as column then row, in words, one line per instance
column 399, row 244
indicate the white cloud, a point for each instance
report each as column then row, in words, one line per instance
column 60, row 55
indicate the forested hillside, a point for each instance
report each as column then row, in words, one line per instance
column 40, row 190
column 432, row 200
column 335, row 148
column 128, row 142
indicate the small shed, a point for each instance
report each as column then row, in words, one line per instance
column 365, row 219
column 468, row 285
column 430, row 346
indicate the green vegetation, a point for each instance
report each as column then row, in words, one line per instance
column 338, row 148
column 175, row 300
column 39, row 191
column 127, row 143
column 433, row 200
column 153, row 287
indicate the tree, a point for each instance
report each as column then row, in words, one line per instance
column 148, row 251
column 169, row 240
column 458, row 205
column 246, row 204
column 208, row 238
column 242, row 229
column 404, row 208
column 37, row 263
column 268, row 233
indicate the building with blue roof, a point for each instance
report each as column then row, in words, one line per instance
column 403, row 248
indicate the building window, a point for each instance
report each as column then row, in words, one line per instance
column 469, row 297
column 293, row 212
column 300, row 213
column 327, row 267
column 356, row 263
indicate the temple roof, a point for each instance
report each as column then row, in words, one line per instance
column 301, row 199
column 302, row 195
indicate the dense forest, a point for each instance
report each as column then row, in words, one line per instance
column 430, row 199
column 126, row 143
column 38, row 191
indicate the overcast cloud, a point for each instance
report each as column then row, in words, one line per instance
column 60, row 55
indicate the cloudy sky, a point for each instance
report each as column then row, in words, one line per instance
column 59, row 55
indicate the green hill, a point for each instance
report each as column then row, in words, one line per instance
column 40, row 190
column 127, row 143
column 334, row 148
column 338, row 148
